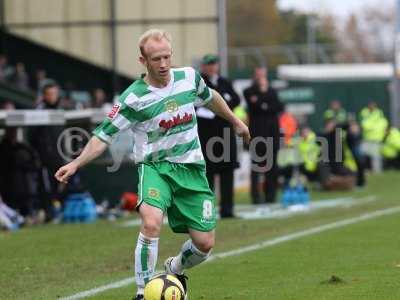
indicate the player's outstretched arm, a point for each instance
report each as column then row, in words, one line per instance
column 221, row 109
column 93, row 149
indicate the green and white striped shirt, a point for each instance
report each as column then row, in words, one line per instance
column 162, row 120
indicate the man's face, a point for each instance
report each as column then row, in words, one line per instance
column 40, row 74
column 336, row 105
column 51, row 94
column 372, row 105
column 99, row 95
column 305, row 132
column 260, row 73
column 3, row 60
column 157, row 58
column 8, row 106
column 210, row 69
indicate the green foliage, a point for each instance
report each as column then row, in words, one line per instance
column 253, row 23
column 261, row 26
column 260, row 23
column 297, row 27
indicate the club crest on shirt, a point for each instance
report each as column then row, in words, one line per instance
column 154, row 193
column 114, row 111
column 171, row 106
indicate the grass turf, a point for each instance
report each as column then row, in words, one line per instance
column 338, row 264
column 59, row 260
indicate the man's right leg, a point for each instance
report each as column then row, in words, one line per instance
column 194, row 251
column 147, row 245
column 226, row 184
column 254, row 184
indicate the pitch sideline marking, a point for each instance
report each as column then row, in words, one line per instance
column 248, row 212
column 257, row 246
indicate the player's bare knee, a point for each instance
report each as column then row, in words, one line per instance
column 151, row 220
column 205, row 245
column 151, row 228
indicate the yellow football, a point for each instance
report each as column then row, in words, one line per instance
column 164, row 287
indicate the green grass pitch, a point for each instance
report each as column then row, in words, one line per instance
column 358, row 261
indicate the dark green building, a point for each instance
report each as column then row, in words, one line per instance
column 310, row 88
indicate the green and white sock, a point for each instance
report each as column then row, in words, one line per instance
column 189, row 257
column 145, row 260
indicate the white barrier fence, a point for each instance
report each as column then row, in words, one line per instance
column 33, row 117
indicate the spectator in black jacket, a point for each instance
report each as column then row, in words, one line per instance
column 354, row 140
column 5, row 69
column 209, row 126
column 264, row 109
column 20, row 77
column 99, row 98
column 44, row 140
column 19, row 171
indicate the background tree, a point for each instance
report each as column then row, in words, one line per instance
column 274, row 35
column 253, row 23
column 366, row 36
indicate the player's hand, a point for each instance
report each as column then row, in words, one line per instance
column 64, row 173
column 242, row 130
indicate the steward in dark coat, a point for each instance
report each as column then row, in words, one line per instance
column 211, row 126
column 264, row 109
column 44, row 140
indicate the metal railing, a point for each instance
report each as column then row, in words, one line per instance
column 245, row 57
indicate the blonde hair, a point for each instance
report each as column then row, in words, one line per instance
column 153, row 34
